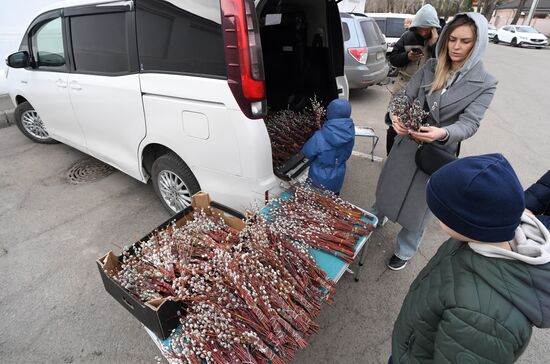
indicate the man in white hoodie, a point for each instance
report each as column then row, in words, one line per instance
column 479, row 297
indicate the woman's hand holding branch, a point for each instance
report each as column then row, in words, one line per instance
column 428, row 134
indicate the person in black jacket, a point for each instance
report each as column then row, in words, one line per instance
column 410, row 52
column 537, row 199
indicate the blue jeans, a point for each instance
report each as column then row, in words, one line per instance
column 407, row 241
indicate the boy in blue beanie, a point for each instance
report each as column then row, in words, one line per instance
column 478, row 298
column 330, row 147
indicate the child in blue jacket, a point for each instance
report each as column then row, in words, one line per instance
column 330, row 147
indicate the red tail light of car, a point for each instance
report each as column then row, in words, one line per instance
column 359, row 54
column 243, row 53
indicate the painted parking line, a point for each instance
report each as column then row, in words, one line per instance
column 366, row 156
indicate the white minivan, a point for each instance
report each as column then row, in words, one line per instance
column 176, row 91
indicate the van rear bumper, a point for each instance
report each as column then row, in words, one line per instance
column 237, row 192
column 363, row 76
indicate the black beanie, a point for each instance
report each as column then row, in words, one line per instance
column 479, row 197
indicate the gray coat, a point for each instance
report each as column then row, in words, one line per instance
column 401, row 190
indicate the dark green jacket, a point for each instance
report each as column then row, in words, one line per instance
column 467, row 308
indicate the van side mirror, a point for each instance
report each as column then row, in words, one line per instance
column 19, row 60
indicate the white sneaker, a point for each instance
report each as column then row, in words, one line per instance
column 382, row 222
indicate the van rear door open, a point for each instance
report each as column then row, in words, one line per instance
column 303, row 54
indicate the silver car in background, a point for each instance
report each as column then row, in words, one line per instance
column 365, row 51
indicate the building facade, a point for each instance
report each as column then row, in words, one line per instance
column 505, row 12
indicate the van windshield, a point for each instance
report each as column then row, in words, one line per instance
column 371, row 32
column 526, row 29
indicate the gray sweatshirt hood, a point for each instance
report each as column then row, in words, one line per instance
column 481, row 42
column 531, row 243
column 426, row 17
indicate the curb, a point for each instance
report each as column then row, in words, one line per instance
column 6, row 118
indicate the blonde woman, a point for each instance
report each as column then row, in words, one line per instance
column 456, row 90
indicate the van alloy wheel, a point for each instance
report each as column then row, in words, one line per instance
column 173, row 190
column 34, row 125
column 31, row 124
column 173, row 182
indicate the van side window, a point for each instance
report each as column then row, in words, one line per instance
column 174, row 40
column 47, row 45
column 99, row 43
column 345, row 32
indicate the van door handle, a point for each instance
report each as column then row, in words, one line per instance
column 61, row 84
column 75, row 86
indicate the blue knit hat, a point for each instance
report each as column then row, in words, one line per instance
column 479, row 197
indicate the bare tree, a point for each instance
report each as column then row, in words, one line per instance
column 518, row 11
column 395, row 6
column 486, row 7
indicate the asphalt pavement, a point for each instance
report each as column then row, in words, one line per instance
column 6, row 111
column 54, row 306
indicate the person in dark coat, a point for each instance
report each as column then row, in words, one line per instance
column 537, row 199
column 478, row 298
column 410, row 52
column 422, row 35
column 330, row 147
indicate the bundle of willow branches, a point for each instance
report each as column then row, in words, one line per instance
column 411, row 114
column 251, row 295
column 321, row 220
column 289, row 130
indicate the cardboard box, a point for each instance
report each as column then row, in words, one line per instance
column 160, row 315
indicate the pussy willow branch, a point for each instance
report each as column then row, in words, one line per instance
column 251, row 295
column 411, row 114
column 289, row 130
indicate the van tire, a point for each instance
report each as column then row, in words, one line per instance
column 168, row 172
column 30, row 124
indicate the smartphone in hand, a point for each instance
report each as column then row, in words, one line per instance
column 417, row 50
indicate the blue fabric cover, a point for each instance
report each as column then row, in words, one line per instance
column 330, row 147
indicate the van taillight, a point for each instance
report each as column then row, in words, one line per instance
column 360, row 54
column 243, row 53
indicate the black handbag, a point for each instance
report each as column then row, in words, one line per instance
column 429, row 158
